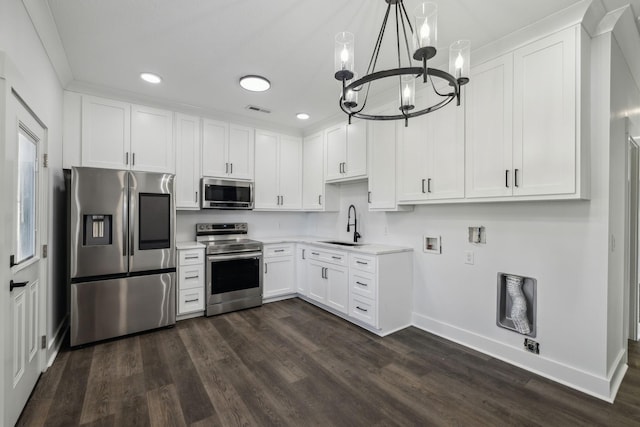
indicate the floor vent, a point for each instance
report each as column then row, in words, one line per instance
column 257, row 109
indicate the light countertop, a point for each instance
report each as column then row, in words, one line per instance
column 365, row 248
column 189, row 245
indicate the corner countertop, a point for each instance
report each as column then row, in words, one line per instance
column 189, row 245
column 366, row 248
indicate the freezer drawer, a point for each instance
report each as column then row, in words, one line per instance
column 112, row 308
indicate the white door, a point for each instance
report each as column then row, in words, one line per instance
column 106, row 133
column 267, row 183
column 489, row 127
column 356, row 163
column 215, row 143
column 412, row 160
column 152, row 148
column 317, row 285
column 313, row 173
column 337, row 288
column 382, row 164
column 241, row 151
column 187, row 161
column 290, row 170
column 336, row 138
column 278, row 277
column 26, row 232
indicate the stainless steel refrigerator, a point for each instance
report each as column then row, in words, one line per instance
column 122, row 253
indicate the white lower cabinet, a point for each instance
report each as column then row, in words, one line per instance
column 279, row 271
column 328, row 278
column 301, row 270
column 190, row 281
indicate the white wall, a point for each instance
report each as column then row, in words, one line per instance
column 37, row 83
column 625, row 101
column 261, row 224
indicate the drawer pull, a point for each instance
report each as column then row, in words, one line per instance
column 361, row 309
column 192, row 277
column 362, row 263
column 192, row 257
column 192, row 300
column 339, row 258
column 362, row 284
column 315, row 253
column 279, row 250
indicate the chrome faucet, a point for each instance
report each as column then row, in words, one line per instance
column 356, row 235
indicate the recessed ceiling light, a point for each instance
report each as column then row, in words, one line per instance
column 255, row 83
column 151, row 78
column 302, row 116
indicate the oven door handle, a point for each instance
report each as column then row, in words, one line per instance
column 246, row 255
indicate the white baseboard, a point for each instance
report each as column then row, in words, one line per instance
column 602, row 387
column 56, row 342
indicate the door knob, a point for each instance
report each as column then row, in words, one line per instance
column 13, row 284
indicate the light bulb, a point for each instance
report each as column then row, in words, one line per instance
column 406, row 94
column 425, row 34
column 344, row 56
column 458, row 64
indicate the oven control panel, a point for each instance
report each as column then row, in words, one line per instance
column 220, row 228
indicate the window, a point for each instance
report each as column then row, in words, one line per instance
column 27, row 194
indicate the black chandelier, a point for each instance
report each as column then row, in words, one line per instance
column 424, row 41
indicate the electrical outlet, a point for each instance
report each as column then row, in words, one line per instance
column 468, row 257
column 531, row 346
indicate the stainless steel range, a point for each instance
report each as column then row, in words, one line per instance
column 234, row 267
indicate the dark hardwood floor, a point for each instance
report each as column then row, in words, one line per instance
column 290, row 363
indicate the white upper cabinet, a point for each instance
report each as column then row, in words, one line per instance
column 227, row 150
column 489, row 129
column 152, row 146
column 523, row 120
column 544, row 116
column 106, row 133
column 187, row 161
column 431, row 155
column 382, row 163
column 346, row 147
column 117, row 135
column 215, row 147
column 278, row 173
column 316, row 195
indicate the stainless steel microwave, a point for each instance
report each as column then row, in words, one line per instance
column 226, row 194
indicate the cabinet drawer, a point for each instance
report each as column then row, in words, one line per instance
column 190, row 300
column 363, row 262
column 363, row 309
column 338, row 258
column 278, row 250
column 191, row 276
column 191, row 257
column 363, row 284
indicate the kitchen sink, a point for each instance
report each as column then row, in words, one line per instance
column 334, row 242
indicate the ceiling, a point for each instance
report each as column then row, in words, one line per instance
column 202, row 47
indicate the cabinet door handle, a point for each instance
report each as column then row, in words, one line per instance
column 303, row 254
column 192, row 277
column 369, row 197
column 133, row 159
column 326, row 273
column 126, row 158
column 315, row 253
column 339, row 167
column 322, row 272
column 429, row 185
column 515, row 178
column 362, row 262
column 320, row 199
column 423, row 186
column 361, row 309
column 231, row 168
column 362, row 284
column 282, row 200
column 506, row 178
column 339, row 258
column 266, row 269
column 226, row 167
column 279, row 250
column 192, row 257
column 192, row 300
column 196, row 197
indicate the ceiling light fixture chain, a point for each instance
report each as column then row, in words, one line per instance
column 424, row 36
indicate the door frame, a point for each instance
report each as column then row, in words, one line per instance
column 10, row 102
column 632, row 235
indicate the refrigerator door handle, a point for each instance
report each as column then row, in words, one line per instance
column 125, row 217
